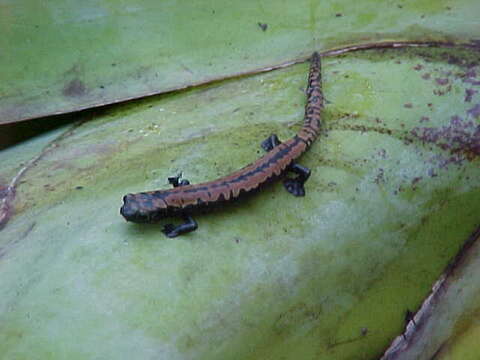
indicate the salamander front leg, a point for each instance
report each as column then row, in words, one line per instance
column 295, row 186
column 173, row 231
column 270, row 142
column 175, row 181
column 190, row 224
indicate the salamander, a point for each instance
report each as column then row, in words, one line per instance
column 184, row 199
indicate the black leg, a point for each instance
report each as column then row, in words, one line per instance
column 175, row 181
column 295, row 186
column 173, row 231
column 189, row 225
column 270, row 142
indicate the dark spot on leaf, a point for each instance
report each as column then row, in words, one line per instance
column 469, row 94
column 379, row 178
column 426, row 76
column 453, row 60
column 338, row 15
column 475, row 43
column 424, row 119
column 416, row 180
column 473, row 82
column 441, row 81
column 432, row 173
column 418, row 67
column 470, row 77
column 461, row 138
column 474, row 111
column 439, row 92
column 263, row 26
column 471, row 73
column 408, row 105
column 74, row 88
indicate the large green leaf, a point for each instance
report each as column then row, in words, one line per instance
column 394, row 193
column 61, row 56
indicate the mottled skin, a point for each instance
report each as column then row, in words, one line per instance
column 184, row 198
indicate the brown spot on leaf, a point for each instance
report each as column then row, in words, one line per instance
column 474, row 111
column 408, row 105
column 461, row 138
column 470, row 77
column 74, row 88
column 441, row 81
column 469, row 94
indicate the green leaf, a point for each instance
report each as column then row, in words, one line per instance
column 394, row 193
column 59, row 57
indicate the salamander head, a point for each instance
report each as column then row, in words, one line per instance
column 139, row 208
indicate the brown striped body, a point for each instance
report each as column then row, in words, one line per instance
column 154, row 205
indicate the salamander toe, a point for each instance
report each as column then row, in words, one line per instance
column 294, row 187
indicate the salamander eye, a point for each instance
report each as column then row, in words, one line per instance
column 127, row 197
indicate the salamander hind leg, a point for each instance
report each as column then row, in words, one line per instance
column 173, row 231
column 295, row 186
column 270, row 142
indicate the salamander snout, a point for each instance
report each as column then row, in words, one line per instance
column 130, row 209
column 142, row 208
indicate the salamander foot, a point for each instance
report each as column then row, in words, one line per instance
column 295, row 186
column 175, row 181
column 173, row 231
column 270, row 142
